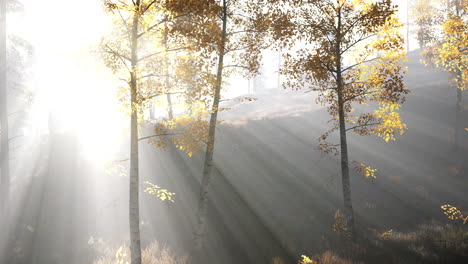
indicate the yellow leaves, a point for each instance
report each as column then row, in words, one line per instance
column 306, row 260
column 121, row 256
column 466, row 129
column 386, row 234
column 453, row 213
column 162, row 194
column 367, row 171
column 115, row 168
column 188, row 133
column 449, row 52
column 390, row 122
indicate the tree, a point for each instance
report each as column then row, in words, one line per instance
column 148, row 46
column 5, row 156
column 452, row 56
column 235, row 36
column 133, row 52
column 8, row 66
column 352, row 53
column 442, row 27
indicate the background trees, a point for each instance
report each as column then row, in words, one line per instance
column 352, row 52
column 442, row 27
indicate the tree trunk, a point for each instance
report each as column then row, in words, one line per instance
column 170, row 112
column 407, row 26
column 134, row 209
column 5, row 152
column 457, row 126
column 345, row 180
column 208, row 164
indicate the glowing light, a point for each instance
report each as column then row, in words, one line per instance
column 74, row 92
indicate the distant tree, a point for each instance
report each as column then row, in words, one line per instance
column 14, row 55
column 427, row 14
column 442, row 35
column 352, row 52
column 452, row 56
column 4, row 146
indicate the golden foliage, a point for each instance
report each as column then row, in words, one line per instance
column 340, row 225
column 389, row 122
column 306, row 260
column 453, row 213
column 443, row 35
column 367, row 171
column 386, row 234
column 120, row 256
column 162, row 194
column 353, row 53
column 188, row 133
column 453, row 53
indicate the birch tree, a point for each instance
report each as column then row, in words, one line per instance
column 138, row 51
column 350, row 52
column 235, row 40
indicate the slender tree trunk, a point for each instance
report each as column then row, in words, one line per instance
column 457, row 126
column 279, row 70
column 5, row 152
column 407, row 26
column 208, row 164
column 345, row 179
column 134, row 208
column 458, row 107
column 170, row 112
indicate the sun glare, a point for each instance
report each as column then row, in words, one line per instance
column 74, row 93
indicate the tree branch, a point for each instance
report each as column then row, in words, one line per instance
column 159, row 52
column 159, row 135
column 364, row 125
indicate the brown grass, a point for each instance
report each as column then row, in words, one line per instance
column 153, row 254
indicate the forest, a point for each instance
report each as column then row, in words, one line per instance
column 233, row 131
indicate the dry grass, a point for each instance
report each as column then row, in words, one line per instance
column 153, row 254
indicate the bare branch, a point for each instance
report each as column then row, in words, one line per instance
column 159, row 135
column 159, row 52
column 15, row 137
column 359, row 63
column 112, row 51
column 364, row 125
column 236, row 66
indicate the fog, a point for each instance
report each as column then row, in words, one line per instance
column 274, row 194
